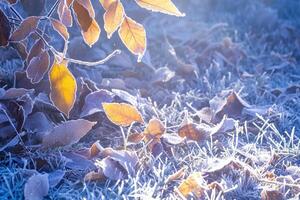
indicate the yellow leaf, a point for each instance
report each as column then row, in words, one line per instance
column 133, row 35
column 122, row 114
column 113, row 17
column 106, row 3
column 63, row 87
column 163, row 6
column 192, row 185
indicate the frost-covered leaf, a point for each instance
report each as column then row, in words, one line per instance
column 64, row 13
column 67, row 133
column 36, row 187
column 4, row 29
column 38, row 67
column 27, row 26
column 60, row 28
column 192, row 185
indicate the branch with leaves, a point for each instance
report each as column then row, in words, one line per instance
column 38, row 60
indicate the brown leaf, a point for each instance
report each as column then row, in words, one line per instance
column 191, row 132
column 21, row 49
column 192, row 186
column 133, row 35
column 67, row 133
column 35, row 50
column 36, row 187
column 4, row 29
column 64, row 13
column 90, row 29
column 60, row 28
column 122, row 114
column 63, row 87
column 88, row 6
column 12, row 1
column 113, row 17
column 38, row 67
column 95, row 176
column 135, row 137
column 27, row 26
column 270, row 194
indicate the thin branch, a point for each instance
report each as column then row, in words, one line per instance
column 99, row 62
column 52, row 9
column 16, row 13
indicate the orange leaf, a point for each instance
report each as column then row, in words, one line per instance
column 25, row 29
column 122, row 114
column 63, row 87
column 192, row 185
column 4, row 29
column 37, row 67
column 113, row 17
column 133, row 35
column 90, row 29
column 163, row 6
column 155, row 129
column 60, row 28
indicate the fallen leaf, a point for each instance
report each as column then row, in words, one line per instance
column 192, row 186
column 95, row 176
column 177, row 175
column 154, row 130
column 191, row 132
column 14, row 93
column 90, row 29
column 55, row 177
column 4, row 29
column 135, row 137
column 113, row 17
column 163, row 6
column 122, row 114
column 38, row 122
column 133, row 35
column 271, row 194
column 77, row 162
column 60, row 28
column 67, row 133
column 38, row 67
column 36, row 187
column 172, row 139
column 63, row 87
column 27, row 26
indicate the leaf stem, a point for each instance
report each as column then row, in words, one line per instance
column 52, row 8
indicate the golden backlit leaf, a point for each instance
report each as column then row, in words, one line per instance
column 154, row 129
column 63, row 87
column 133, row 35
column 64, row 13
column 122, row 114
column 90, row 29
column 192, row 185
column 60, row 28
column 106, row 3
column 113, row 17
column 4, row 29
column 163, row 6
column 38, row 67
column 25, row 29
